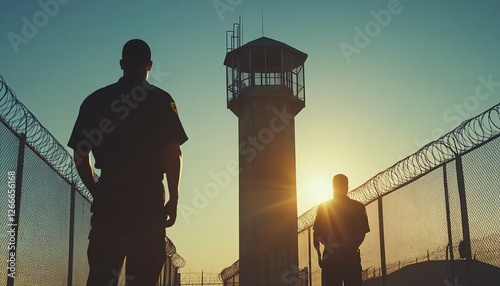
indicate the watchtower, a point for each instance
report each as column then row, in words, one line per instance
column 266, row 90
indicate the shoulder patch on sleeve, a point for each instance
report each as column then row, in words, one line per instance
column 174, row 107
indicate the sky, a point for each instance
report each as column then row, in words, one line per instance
column 383, row 78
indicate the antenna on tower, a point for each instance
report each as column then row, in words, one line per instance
column 262, row 16
column 234, row 37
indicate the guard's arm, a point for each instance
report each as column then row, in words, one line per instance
column 316, row 243
column 358, row 240
column 172, row 163
column 316, row 235
column 85, row 170
column 362, row 229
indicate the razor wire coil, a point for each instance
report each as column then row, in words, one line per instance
column 469, row 135
column 21, row 121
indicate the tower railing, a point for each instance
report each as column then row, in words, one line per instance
column 244, row 81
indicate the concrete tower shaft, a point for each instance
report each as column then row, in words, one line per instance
column 265, row 81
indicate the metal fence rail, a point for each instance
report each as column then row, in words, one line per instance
column 421, row 209
column 46, row 217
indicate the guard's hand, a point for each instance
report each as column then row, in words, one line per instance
column 320, row 260
column 94, row 191
column 170, row 213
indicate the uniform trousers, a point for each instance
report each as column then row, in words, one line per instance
column 341, row 266
column 127, row 222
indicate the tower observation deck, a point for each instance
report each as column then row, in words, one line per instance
column 265, row 67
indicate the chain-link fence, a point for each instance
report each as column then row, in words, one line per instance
column 45, row 217
column 434, row 216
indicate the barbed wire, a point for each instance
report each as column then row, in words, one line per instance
column 177, row 261
column 16, row 116
column 468, row 136
column 169, row 247
column 199, row 278
column 306, row 219
column 230, row 271
column 21, row 121
column 270, row 242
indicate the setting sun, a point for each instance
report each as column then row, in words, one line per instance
column 313, row 191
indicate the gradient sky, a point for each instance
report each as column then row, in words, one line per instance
column 411, row 79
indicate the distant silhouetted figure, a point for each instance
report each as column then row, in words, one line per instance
column 340, row 225
column 134, row 133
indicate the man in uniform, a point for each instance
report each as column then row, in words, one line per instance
column 134, row 133
column 340, row 225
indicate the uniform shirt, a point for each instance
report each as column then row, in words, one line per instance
column 126, row 124
column 341, row 220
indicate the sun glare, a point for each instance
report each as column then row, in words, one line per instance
column 315, row 190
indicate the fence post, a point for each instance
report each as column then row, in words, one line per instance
column 15, row 223
column 448, row 221
column 465, row 216
column 309, row 251
column 382, row 241
column 71, row 235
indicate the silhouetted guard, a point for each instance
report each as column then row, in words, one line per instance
column 20, row 121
